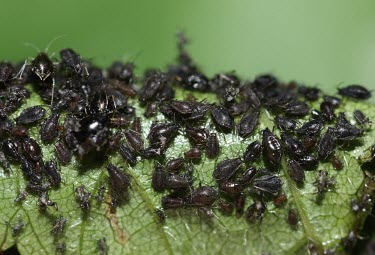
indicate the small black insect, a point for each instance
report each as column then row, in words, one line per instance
column 42, row 67
column 18, row 228
column 31, row 115
column 11, row 150
column 310, row 128
column 308, row 162
column 230, row 187
column 115, row 140
column 151, row 109
column 272, row 150
column 323, row 182
column 122, row 72
column 193, row 154
column 6, row 126
column 252, row 152
column 176, row 181
column 19, row 131
column 268, row 183
column 135, row 140
column 174, row 165
column 128, row 155
column 355, row 91
column 255, row 211
column 292, row 218
column 310, row 93
column 63, row 153
column 248, row 123
column 203, row 196
column 119, row 183
column 280, row 200
column 346, row 132
column 361, row 118
column 152, row 85
column 296, row 172
column 182, row 107
column 237, row 109
column 159, row 178
column 60, row 248
column 226, row 207
column 52, row 172
column 222, row 118
column 161, row 215
column 240, row 201
column 161, row 135
column 250, row 96
column 247, row 176
column 73, row 62
column 225, row 169
column 31, row 149
column 44, row 201
column 328, row 111
column 336, row 163
column 101, row 193
column 197, row 136
column 335, row 101
column 49, row 128
column 297, row 109
column 20, row 197
column 169, row 202
column 286, row 124
column 6, row 72
column 83, row 197
column 212, row 146
column 292, row 146
column 59, row 226
column 309, row 142
column 31, row 171
column 102, row 246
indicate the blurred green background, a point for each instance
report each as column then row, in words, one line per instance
column 324, row 43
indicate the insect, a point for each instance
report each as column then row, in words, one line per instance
column 255, row 211
column 151, row 87
column 11, row 150
column 159, row 178
column 60, row 248
column 31, row 115
column 308, row 162
column 161, row 135
column 83, row 197
column 119, row 183
column 174, row 165
column 360, row 117
column 128, row 155
column 31, row 149
column 226, row 169
column 222, row 118
column 310, row 93
column 169, row 202
column 272, row 150
column 49, row 128
column 297, row 108
column 310, row 128
column 346, row 132
column 176, row 181
column 355, row 91
column 248, row 123
column 203, row 196
column 268, row 183
column 240, row 205
column 52, row 172
column 293, row 146
column 44, row 201
column 197, row 136
column 151, row 109
column 193, row 154
column 161, row 215
column 292, row 218
column 247, row 176
column 6, row 72
column 237, row 109
column 102, row 246
column 73, row 62
column 335, row 101
column 62, row 152
column 323, row 182
column 21, row 196
column 328, row 111
column 59, row 226
column 226, row 207
column 295, row 171
column 252, row 152
column 212, row 146
column 280, row 200
column 18, row 228
column 230, row 187
column 101, row 193
column 336, row 163
column 286, row 124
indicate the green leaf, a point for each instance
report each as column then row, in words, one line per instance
column 136, row 229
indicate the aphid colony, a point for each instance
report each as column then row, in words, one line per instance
column 99, row 120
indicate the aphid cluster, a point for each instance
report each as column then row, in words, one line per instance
column 90, row 113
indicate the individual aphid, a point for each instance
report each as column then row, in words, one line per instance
column 44, row 201
column 21, row 197
column 308, row 162
column 310, row 93
column 119, row 120
column 363, row 204
column 122, row 71
column 151, row 109
column 166, row 93
column 102, row 246
column 159, row 178
column 193, row 154
column 335, row 101
column 346, row 132
column 63, row 153
column 203, row 196
column 182, row 107
column 52, row 172
column 6, row 126
column 226, row 207
column 101, row 194
column 37, row 187
column 30, row 171
column 212, row 146
column 240, row 202
column 296, row 172
column 292, row 218
column 161, row 214
column 250, row 95
column 309, row 142
column 10, row 149
column 248, row 123
column 292, row 146
column 162, row 134
column 59, row 226
column 265, row 82
column 222, row 118
column 151, row 87
column 342, row 120
column 323, row 182
column 355, row 91
column 49, row 129
column 197, row 136
column 134, row 140
column 6, row 72
column 252, row 152
column 280, row 200
column 114, row 141
column 169, row 202
column 119, row 183
column 310, row 128
column 83, row 197
column 128, row 155
column 268, row 183
column 286, row 124
column 177, row 181
column 18, row 228
column 297, row 108
column 197, row 82
column 31, row 149
column 31, row 115
column 247, row 176
column 73, row 62
column 136, row 125
column 336, row 163
column 225, row 169
column 317, row 115
column 237, row 109
column 19, row 131
column 174, row 165
column 42, row 67
column 360, row 117
column 230, row 187
column 327, row 144
column 272, row 150
column 255, row 212
column 60, row 248
column 328, row 111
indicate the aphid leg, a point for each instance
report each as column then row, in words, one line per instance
column 20, row 72
column 53, row 90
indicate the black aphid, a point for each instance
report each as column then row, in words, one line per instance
column 203, row 196
column 335, row 101
column 225, row 169
column 297, row 108
column 174, row 165
column 101, row 193
column 159, row 178
column 161, row 215
column 292, row 146
column 292, row 217
column 346, row 132
column 59, row 226
column 296, row 172
column 336, row 163
column 252, row 152
column 360, row 117
column 52, row 172
column 63, row 153
column 153, row 84
column 286, row 124
column 10, row 149
column 31, row 149
column 268, row 183
column 328, row 111
column 49, row 129
column 255, row 211
column 73, row 62
column 355, row 91
column 178, row 181
column 193, row 154
column 44, row 201
column 102, row 246
column 310, row 128
column 222, row 118
column 182, row 107
column 272, row 150
column 31, row 115
column 310, row 93
column 323, row 182
column 212, row 146
column 230, row 187
column 308, row 162
column 6, row 72
column 42, row 67
column 21, row 197
column 248, row 123
column 226, row 207
column 119, row 183
column 134, row 140
column 197, row 136
column 18, row 228
column 83, row 197
column 169, row 202
column 128, row 155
